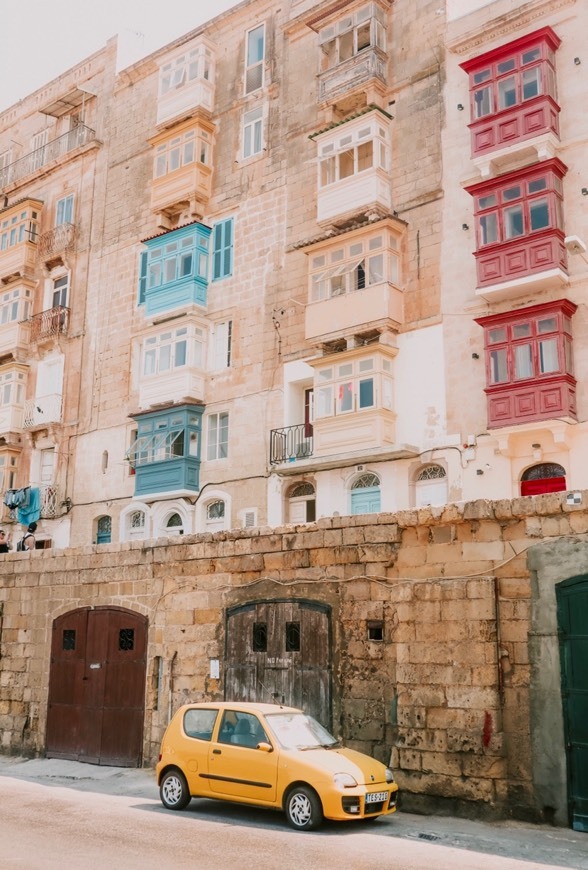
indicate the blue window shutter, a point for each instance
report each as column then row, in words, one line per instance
column 222, row 262
column 142, row 277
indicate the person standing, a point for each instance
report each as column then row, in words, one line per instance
column 4, row 542
column 28, row 541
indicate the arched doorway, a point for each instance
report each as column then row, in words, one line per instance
column 97, row 686
column 431, row 486
column 365, row 494
column 280, row 651
column 572, row 617
column 544, row 477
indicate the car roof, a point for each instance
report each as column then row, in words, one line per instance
column 244, row 706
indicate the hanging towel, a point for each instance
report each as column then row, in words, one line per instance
column 30, row 512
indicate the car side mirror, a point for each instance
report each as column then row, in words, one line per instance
column 265, row 747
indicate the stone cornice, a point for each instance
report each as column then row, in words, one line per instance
column 478, row 34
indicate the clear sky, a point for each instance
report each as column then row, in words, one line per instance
column 40, row 39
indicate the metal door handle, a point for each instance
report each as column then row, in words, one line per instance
column 217, row 752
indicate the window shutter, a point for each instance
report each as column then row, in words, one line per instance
column 142, row 277
column 249, row 519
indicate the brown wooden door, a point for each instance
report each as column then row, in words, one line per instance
column 280, row 651
column 97, row 687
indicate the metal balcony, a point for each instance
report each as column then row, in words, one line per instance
column 35, row 160
column 42, row 411
column 290, row 443
column 50, row 323
column 59, row 240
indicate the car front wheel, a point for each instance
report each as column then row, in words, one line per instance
column 303, row 809
column 173, row 790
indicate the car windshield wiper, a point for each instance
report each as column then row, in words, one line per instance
column 319, row 746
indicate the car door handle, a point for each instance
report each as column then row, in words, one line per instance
column 217, row 752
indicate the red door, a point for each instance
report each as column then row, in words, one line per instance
column 97, row 687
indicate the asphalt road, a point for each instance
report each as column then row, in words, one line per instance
column 91, row 824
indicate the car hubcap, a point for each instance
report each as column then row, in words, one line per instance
column 172, row 790
column 300, row 809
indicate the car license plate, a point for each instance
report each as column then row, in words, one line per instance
column 376, row 797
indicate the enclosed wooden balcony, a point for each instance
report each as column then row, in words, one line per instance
column 365, row 72
column 15, row 305
column 19, row 240
column 182, row 172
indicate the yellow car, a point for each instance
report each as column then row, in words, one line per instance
column 271, row 756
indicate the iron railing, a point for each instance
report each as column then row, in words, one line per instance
column 34, row 160
column 42, row 411
column 47, row 324
column 57, row 241
column 290, row 443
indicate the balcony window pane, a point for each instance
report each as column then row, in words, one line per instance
column 539, row 214
column 483, row 102
column 185, row 265
column 531, row 83
column 328, row 171
column 324, row 402
column 488, row 229
column 365, row 156
column 346, row 46
column 188, row 155
column 523, row 361
column 530, row 56
column 511, row 193
column 155, row 274
column 170, row 270
column 498, row 366
column 345, row 397
column 174, row 159
column 165, row 358
column 569, row 358
column 537, row 184
column 180, row 356
column 358, row 277
column 149, row 364
column 366, row 393
column 376, row 269
column 507, row 93
column 521, row 330
column 548, row 356
column 513, row 222
column 505, row 66
column 487, row 201
column 481, row 76
column 547, row 324
column 346, row 164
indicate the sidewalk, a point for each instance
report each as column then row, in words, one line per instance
column 559, row 847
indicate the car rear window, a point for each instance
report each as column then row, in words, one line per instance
column 199, row 723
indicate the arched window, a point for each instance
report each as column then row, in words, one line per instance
column 544, row 477
column 215, row 515
column 174, row 525
column 365, row 494
column 302, row 503
column 430, row 486
column 104, row 530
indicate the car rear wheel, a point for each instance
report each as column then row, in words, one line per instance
column 303, row 809
column 173, row 790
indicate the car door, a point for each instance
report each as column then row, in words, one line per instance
column 237, row 769
column 196, row 735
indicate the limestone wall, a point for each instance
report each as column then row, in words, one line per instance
column 446, row 693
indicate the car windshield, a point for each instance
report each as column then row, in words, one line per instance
column 299, row 731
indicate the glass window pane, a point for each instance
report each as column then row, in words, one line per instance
column 345, row 402
column 482, row 102
column 539, row 214
column 513, row 222
column 376, row 269
column 531, row 83
column 498, row 366
column 547, row 324
column 523, row 361
column 365, row 156
column 511, row 193
column 346, row 164
column 488, row 228
column 507, row 93
column 165, row 358
column 180, row 355
column 521, row 330
column 548, row 356
column 366, row 393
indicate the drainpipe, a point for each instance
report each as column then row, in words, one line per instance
column 499, row 650
column 171, row 685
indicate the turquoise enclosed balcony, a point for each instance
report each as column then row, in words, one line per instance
column 174, row 269
column 166, row 452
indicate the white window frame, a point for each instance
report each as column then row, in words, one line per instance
column 162, row 354
column 253, row 133
column 221, row 346
column 349, row 26
column 63, row 290
column 217, row 447
column 64, row 210
column 254, row 68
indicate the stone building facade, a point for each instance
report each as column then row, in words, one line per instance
column 440, row 640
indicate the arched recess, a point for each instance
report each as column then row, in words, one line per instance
column 280, row 651
column 301, row 502
column 544, row 477
column 430, row 485
column 135, row 522
column 96, row 703
column 213, row 511
column 171, row 518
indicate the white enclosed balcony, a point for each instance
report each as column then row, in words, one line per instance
column 172, row 365
column 186, row 82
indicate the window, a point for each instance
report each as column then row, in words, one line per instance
column 199, row 724
column 60, row 292
column 216, row 515
column 255, row 52
column 174, row 525
column 253, row 132
column 353, row 34
column 302, row 503
column 353, row 150
column 8, row 469
column 431, row 486
column 188, row 67
column 519, row 205
column 12, row 388
column 352, row 386
column 64, row 210
column 365, row 494
column 222, row 249
column 218, row 436
column 172, row 350
column 529, row 365
column 174, row 261
column 513, row 74
column 104, row 530
column 359, row 264
column 136, row 525
column 17, row 228
column 191, row 146
column 177, row 258
column 222, row 337
column 15, row 305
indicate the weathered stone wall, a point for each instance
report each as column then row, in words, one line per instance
column 447, row 692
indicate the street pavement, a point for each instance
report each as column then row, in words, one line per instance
column 538, row 844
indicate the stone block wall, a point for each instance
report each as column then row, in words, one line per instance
column 444, row 689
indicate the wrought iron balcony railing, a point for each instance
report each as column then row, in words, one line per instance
column 33, row 161
column 290, row 443
column 42, row 411
column 59, row 240
column 48, row 324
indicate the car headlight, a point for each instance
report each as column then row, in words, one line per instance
column 389, row 775
column 344, row 780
